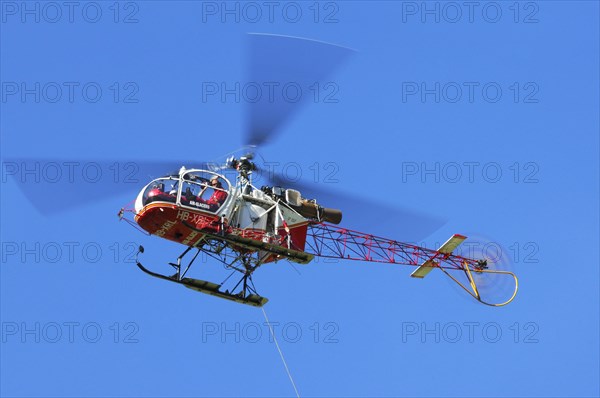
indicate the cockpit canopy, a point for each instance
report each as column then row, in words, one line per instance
column 197, row 189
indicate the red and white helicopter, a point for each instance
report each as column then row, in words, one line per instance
column 245, row 227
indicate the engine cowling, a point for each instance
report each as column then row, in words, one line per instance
column 306, row 208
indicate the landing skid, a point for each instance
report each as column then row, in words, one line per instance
column 246, row 295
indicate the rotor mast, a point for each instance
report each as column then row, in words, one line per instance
column 244, row 167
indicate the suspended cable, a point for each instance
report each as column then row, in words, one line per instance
column 280, row 353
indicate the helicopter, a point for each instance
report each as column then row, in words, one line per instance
column 245, row 227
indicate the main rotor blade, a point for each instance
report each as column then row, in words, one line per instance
column 57, row 185
column 286, row 71
column 368, row 215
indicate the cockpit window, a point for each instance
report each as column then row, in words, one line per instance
column 161, row 190
column 204, row 192
column 200, row 190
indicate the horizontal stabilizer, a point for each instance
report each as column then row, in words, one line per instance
column 445, row 249
column 423, row 269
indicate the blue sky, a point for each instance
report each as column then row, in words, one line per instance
column 485, row 118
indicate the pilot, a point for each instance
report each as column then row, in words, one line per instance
column 218, row 196
column 156, row 193
column 189, row 195
column 156, row 190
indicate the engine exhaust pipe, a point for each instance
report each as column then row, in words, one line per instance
column 313, row 210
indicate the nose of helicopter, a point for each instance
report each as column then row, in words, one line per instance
column 139, row 200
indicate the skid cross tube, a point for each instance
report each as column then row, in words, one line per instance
column 247, row 295
column 179, row 275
